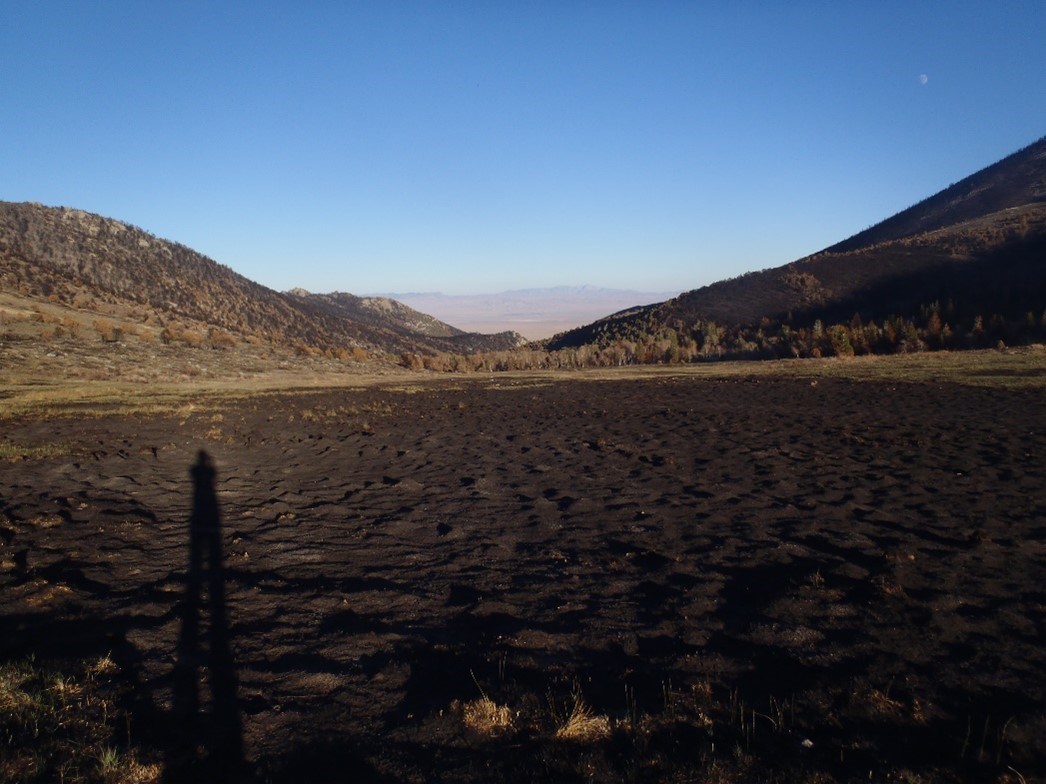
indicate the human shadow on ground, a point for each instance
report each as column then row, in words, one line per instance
column 207, row 732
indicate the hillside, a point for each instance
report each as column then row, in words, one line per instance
column 377, row 311
column 974, row 250
column 1016, row 180
column 100, row 267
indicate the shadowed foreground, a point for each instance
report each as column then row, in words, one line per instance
column 206, row 738
column 738, row 579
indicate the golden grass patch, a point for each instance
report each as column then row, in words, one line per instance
column 486, row 717
column 14, row 453
column 37, row 393
column 583, row 726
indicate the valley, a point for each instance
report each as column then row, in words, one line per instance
column 261, row 536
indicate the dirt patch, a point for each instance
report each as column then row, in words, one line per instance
column 736, row 578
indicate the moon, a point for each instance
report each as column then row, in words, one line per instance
column 923, row 78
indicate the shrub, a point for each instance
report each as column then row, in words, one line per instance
column 219, row 339
column 107, row 331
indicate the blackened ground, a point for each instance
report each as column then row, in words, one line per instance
column 749, row 578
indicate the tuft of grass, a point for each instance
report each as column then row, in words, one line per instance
column 582, row 725
column 486, row 717
column 60, row 726
column 880, row 703
column 102, row 666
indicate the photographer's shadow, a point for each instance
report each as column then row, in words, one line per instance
column 207, row 733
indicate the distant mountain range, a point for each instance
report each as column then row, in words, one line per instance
column 535, row 313
column 976, row 250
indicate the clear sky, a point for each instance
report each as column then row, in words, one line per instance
column 471, row 147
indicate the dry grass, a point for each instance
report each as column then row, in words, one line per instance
column 582, row 725
column 879, row 702
column 485, row 717
column 1014, row 368
column 38, row 387
column 14, row 453
column 58, row 726
column 96, row 399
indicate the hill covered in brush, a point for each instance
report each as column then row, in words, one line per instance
column 965, row 267
column 103, row 269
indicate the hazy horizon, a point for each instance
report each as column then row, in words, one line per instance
column 474, row 148
column 535, row 313
column 581, row 287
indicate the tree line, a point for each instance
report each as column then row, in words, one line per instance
column 934, row 328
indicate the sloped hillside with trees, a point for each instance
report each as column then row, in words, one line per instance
column 94, row 263
column 973, row 282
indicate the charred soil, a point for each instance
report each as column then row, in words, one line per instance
column 645, row 580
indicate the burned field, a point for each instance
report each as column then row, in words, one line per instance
column 639, row 580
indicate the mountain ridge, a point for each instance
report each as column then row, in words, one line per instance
column 87, row 261
column 981, row 247
column 972, row 274
column 1017, row 178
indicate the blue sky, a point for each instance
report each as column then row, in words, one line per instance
column 471, row 147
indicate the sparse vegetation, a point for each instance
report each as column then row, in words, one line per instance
column 485, row 717
column 107, row 331
column 66, row 726
column 77, row 263
column 41, row 395
column 582, row 725
column 13, row 452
